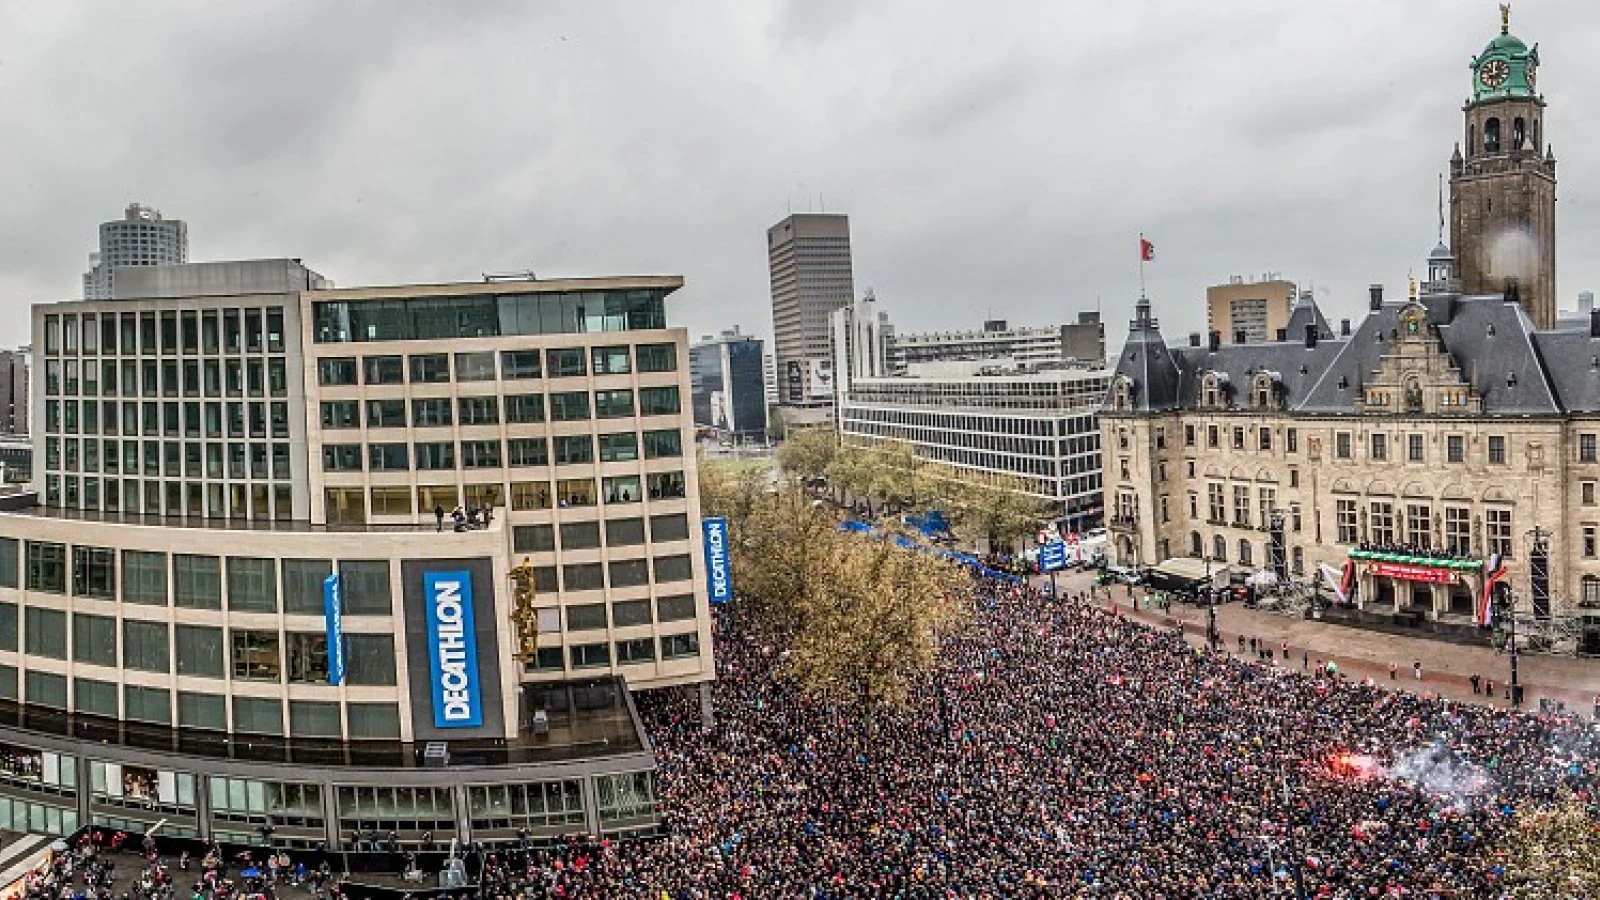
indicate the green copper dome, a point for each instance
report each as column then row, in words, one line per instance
column 1507, row 67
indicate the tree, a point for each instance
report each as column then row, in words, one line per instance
column 808, row 454
column 1554, row 852
column 996, row 508
column 860, row 616
column 872, row 627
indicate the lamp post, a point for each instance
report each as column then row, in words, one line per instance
column 1211, row 610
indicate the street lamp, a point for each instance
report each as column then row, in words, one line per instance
column 1212, row 639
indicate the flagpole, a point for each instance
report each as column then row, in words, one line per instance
column 1141, row 266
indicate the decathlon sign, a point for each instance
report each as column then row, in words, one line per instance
column 719, row 583
column 452, row 650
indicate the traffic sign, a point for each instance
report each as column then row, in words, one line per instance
column 1053, row 557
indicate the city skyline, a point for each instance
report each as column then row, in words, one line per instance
column 951, row 141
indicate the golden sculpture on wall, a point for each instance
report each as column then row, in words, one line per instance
column 523, row 614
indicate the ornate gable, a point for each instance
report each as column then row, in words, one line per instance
column 1416, row 375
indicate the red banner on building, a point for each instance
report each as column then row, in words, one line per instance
column 1407, row 572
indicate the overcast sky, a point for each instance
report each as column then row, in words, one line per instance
column 995, row 158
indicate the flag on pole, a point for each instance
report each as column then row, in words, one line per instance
column 1493, row 572
column 1147, row 250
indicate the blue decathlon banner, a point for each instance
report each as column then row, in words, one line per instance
column 719, row 581
column 452, row 650
column 333, row 616
column 1053, row 556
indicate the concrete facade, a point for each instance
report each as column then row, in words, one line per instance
column 808, row 256
column 1257, row 308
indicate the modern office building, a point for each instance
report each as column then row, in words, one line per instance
column 14, row 391
column 861, row 335
column 808, row 255
column 728, row 385
column 234, row 605
column 140, row 238
column 1080, row 343
column 1038, row 425
column 1249, row 311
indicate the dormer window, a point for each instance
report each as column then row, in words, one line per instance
column 1122, row 395
column 1264, row 391
column 1413, row 396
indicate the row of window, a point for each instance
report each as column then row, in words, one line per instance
column 488, row 315
column 563, row 449
column 251, row 715
column 170, row 419
column 348, row 505
column 629, row 652
column 259, row 501
column 188, row 459
column 169, row 332
column 251, row 584
column 1379, row 446
column 1247, row 555
column 168, row 378
column 1388, row 523
column 563, row 406
column 586, row 535
column 435, row 368
column 201, row 651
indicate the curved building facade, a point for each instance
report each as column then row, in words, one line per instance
column 241, row 603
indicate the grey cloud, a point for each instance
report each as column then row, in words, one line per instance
column 997, row 157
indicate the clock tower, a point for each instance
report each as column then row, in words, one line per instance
column 1503, row 181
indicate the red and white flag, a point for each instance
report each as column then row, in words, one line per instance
column 1147, row 250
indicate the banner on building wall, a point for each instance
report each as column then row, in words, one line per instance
column 452, row 650
column 1406, row 572
column 821, row 379
column 719, row 580
column 796, row 377
column 333, row 621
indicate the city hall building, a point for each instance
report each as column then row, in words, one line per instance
column 239, row 602
column 1442, row 451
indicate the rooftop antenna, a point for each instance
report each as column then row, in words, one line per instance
column 821, row 206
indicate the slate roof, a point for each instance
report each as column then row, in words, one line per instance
column 1516, row 369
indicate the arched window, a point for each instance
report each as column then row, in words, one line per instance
column 1245, row 556
column 1491, row 136
column 1219, row 548
column 1536, row 143
column 1196, row 545
column 1472, row 139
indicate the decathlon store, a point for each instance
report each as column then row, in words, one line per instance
column 183, row 674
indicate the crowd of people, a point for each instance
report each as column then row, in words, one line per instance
column 1060, row 750
column 1066, row 751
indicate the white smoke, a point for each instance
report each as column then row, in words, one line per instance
column 1514, row 253
column 1438, row 771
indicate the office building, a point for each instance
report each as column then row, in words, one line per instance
column 808, row 255
column 241, row 600
column 1039, row 426
column 14, row 392
column 861, row 338
column 728, row 386
column 140, row 238
column 1245, row 311
column 1080, row 343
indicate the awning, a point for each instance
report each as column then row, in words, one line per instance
column 1187, row 567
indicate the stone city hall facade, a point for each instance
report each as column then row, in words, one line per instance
column 1448, row 434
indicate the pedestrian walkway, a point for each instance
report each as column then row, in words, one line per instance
column 1361, row 653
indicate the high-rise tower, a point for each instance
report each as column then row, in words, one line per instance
column 1503, row 181
column 140, row 238
column 808, row 255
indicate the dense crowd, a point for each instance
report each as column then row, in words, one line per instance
column 1065, row 751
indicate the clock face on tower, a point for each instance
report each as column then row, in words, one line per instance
column 1494, row 73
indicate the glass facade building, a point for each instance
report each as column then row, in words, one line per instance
column 248, row 500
